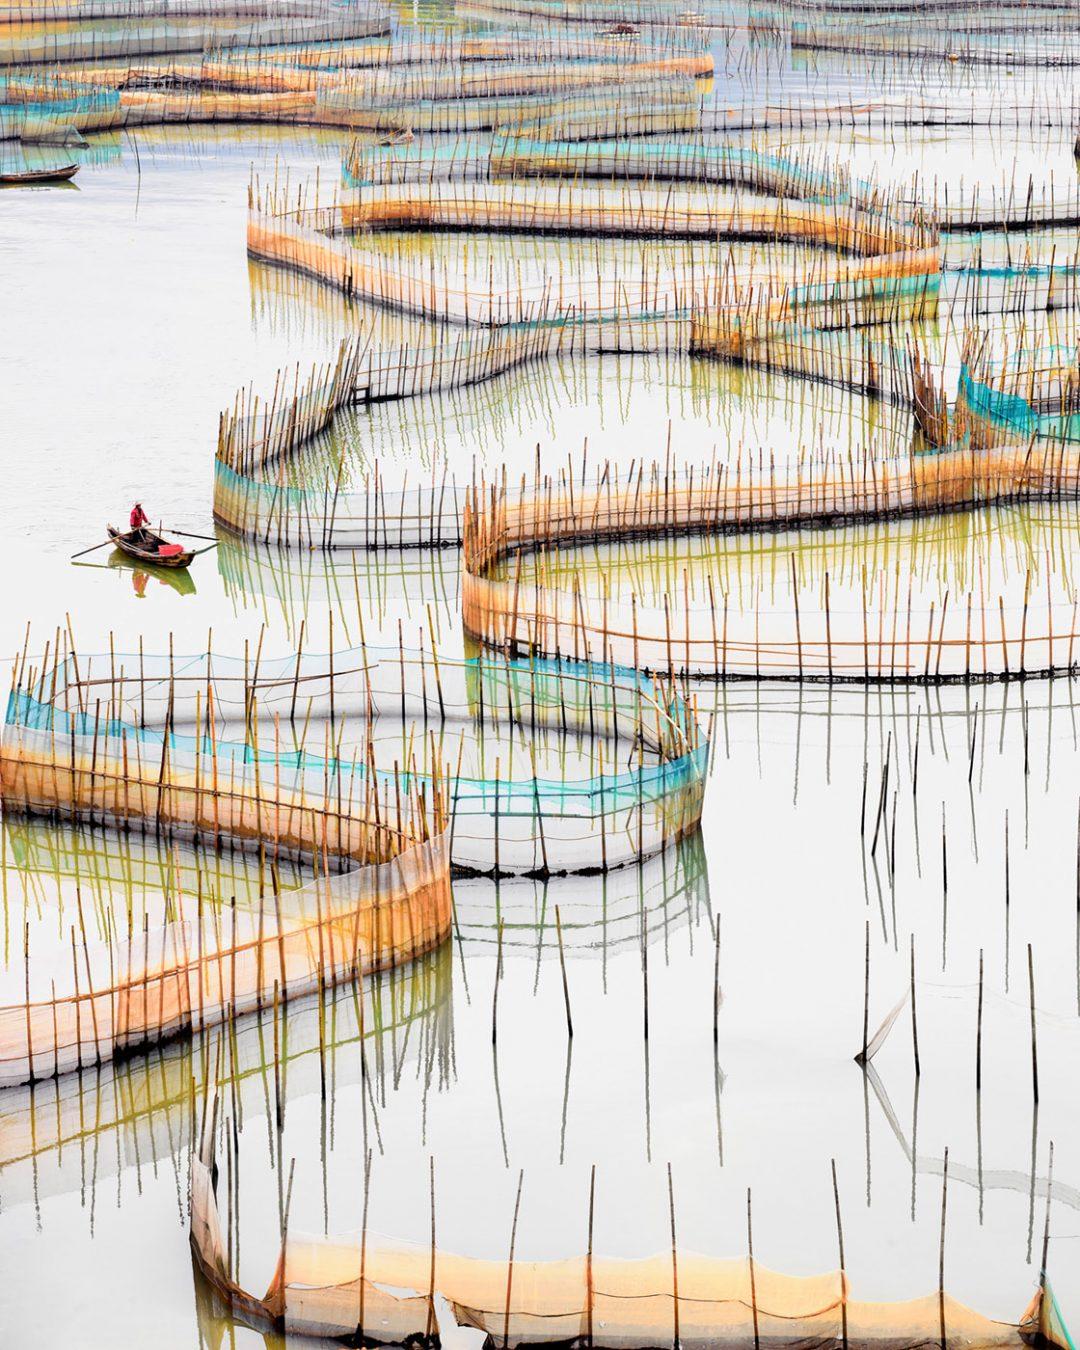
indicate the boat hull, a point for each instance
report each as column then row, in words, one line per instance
column 29, row 177
column 149, row 555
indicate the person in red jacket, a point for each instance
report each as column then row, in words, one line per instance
column 138, row 517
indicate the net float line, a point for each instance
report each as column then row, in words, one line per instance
column 637, row 791
column 380, row 896
column 340, row 1288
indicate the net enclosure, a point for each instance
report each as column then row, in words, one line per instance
column 380, row 893
column 224, row 748
column 370, row 1290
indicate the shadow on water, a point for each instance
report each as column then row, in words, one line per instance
column 179, row 580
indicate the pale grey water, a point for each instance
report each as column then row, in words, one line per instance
column 130, row 318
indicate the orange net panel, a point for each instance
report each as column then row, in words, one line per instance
column 882, row 636
column 325, row 242
column 380, row 897
column 626, row 778
column 138, row 1110
column 337, row 1288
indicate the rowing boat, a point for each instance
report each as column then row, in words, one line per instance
column 149, row 547
column 60, row 173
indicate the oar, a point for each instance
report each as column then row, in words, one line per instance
column 186, row 534
column 89, row 550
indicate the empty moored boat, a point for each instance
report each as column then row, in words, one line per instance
column 57, row 173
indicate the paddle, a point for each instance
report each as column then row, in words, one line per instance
column 89, row 550
column 186, row 534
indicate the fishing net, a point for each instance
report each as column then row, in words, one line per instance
column 143, row 1108
column 329, row 1288
column 380, row 897
column 880, row 636
column 209, row 745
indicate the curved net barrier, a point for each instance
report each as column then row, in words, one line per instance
column 81, row 37
column 260, row 433
column 582, row 208
column 318, row 66
column 1034, row 396
column 41, row 110
column 1008, row 437
column 218, row 748
column 254, row 494
column 333, row 244
column 875, row 631
column 141, row 1110
column 371, row 1290
column 544, row 150
column 380, row 895
column 1008, row 35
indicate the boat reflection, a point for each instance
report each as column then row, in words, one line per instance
column 179, row 580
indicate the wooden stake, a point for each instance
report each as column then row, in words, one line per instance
column 1034, row 1044
column 565, row 985
column 843, row 1268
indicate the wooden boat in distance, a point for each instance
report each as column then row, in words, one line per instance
column 147, row 547
column 58, row 173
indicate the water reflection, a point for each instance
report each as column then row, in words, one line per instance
column 175, row 579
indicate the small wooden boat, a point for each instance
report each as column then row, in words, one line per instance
column 58, row 173
column 148, row 547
